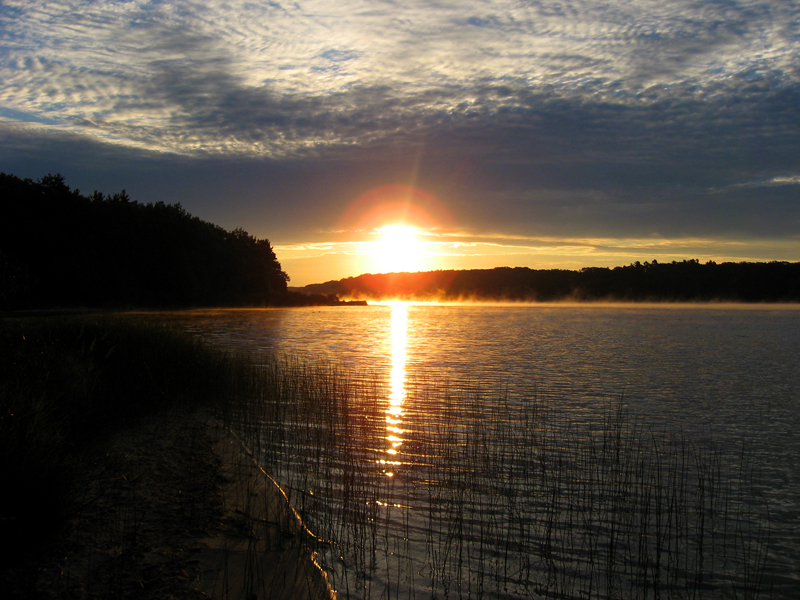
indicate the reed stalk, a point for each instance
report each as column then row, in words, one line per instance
column 509, row 497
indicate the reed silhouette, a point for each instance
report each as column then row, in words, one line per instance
column 498, row 497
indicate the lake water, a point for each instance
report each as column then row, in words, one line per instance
column 469, row 406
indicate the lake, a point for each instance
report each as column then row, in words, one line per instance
column 507, row 451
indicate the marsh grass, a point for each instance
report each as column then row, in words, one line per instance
column 505, row 497
column 490, row 497
column 66, row 385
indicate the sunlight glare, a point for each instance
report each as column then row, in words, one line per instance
column 399, row 249
column 397, row 395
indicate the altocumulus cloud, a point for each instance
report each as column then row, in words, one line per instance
column 273, row 79
column 618, row 114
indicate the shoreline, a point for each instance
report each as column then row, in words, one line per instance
column 176, row 508
column 273, row 556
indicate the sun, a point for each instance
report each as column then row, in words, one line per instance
column 398, row 249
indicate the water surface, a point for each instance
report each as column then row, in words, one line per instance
column 727, row 374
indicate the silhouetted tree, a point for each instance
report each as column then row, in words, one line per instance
column 687, row 280
column 61, row 248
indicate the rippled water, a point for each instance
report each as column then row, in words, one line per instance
column 727, row 373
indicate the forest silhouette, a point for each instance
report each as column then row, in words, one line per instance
column 59, row 248
column 685, row 281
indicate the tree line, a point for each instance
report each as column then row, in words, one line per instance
column 683, row 281
column 59, row 248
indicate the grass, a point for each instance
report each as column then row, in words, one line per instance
column 490, row 497
column 500, row 497
column 66, row 385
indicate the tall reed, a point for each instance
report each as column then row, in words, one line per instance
column 487, row 497
column 500, row 497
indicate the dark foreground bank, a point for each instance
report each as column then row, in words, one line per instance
column 66, row 386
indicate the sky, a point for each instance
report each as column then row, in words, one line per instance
column 544, row 134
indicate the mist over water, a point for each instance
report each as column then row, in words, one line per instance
column 725, row 366
column 727, row 375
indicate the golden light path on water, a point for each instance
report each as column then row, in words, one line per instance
column 397, row 394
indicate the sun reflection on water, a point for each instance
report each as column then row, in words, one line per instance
column 397, row 394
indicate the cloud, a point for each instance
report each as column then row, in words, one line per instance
column 777, row 181
column 273, row 79
column 24, row 117
column 574, row 119
column 539, row 253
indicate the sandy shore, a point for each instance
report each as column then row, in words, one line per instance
column 178, row 509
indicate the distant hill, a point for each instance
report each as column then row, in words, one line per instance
column 683, row 281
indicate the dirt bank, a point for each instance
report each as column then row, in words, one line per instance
column 176, row 509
